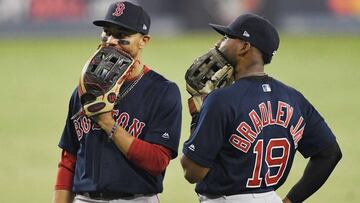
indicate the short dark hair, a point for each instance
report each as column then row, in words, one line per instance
column 266, row 58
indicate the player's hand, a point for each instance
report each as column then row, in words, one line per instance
column 105, row 120
column 194, row 103
column 194, row 120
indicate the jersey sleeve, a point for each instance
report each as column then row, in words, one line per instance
column 208, row 136
column 317, row 134
column 68, row 140
column 165, row 127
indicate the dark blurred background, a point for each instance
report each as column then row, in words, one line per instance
column 72, row 17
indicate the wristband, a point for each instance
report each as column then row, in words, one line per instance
column 113, row 129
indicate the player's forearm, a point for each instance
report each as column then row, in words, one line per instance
column 64, row 178
column 63, row 196
column 193, row 172
column 316, row 173
column 150, row 157
column 122, row 140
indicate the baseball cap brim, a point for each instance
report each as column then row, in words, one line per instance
column 223, row 30
column 104, row 23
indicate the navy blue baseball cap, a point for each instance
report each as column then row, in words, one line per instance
column 256, row 30
column 126, row 15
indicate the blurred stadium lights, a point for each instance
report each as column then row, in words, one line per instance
column 71, row 17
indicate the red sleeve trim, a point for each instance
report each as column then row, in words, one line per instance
column 151, row 157
column 146, row 69
column 66, row 169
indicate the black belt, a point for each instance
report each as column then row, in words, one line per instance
column 108, row 195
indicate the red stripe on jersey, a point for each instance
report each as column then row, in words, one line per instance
column 66, row 169
column 152, row 158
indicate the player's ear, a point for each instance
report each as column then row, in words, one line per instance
column 243, row 48
column 144, row 41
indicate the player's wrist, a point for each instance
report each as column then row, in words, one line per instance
column 105, row 121
column 113, row 130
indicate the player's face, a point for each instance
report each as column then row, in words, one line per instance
column 124, row 39
column 228, row 48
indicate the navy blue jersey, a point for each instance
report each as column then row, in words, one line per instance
column 151, row 111
column 248, row 133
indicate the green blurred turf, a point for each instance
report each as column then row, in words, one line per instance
column 38, row 76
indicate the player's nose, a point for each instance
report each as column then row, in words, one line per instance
column 112, row 41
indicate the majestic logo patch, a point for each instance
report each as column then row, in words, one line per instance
column 192, row 147
column 165, row 135
column 120, row 7
column 144, row 27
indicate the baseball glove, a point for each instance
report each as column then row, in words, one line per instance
column 101, row 79
column 208, row 72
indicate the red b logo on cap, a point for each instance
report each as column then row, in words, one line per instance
column 120, row 7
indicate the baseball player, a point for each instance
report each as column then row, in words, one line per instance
column 247, row 133
column 121, row 156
